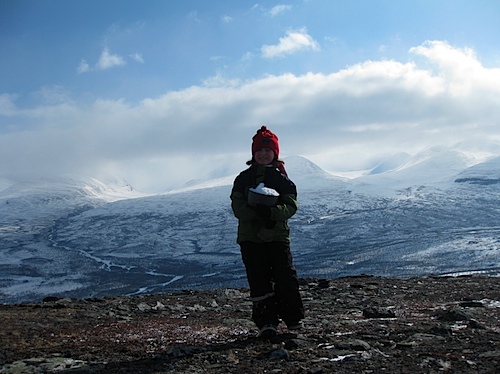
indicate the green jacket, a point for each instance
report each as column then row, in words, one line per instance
column 249, row 223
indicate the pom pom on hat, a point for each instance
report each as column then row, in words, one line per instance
column 265, row 139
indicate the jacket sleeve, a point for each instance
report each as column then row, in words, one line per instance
column 287, row 204
column 239, row 203
column 286, row 208
column 240, row 207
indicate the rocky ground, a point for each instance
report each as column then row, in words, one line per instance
column 353, row 325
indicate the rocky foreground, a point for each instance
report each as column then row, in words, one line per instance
column 354, row 325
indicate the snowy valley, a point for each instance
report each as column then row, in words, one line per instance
column 434, row 213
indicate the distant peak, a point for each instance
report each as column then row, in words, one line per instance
column 303, row 165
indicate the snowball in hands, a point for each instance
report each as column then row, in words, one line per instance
column 263, row 190
column 262, row 195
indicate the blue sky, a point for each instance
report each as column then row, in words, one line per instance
column 161, row 92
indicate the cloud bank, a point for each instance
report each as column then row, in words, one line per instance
column 340, row 120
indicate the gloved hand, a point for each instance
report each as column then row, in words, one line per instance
column 263, row 211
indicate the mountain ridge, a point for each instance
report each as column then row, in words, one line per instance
column 83, row 238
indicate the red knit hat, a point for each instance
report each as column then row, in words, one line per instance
column 265, row 139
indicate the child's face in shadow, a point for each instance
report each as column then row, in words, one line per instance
column 264, row 156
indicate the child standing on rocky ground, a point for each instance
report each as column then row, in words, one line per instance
column 264, row 238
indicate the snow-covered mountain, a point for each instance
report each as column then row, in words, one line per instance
column 434, row 213
column 487, row 172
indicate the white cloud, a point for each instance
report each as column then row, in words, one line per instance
column 342, row 119
column 52, row 94
column 459, row 66
column 194, row 16
column 216, row 58
column 247, row 56
column 108, row 60
column 7, row 106
column 83, row 67
column 226, row 19
column 294, row 41
column 279, row 9
column 137, row 57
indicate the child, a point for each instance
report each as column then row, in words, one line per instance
column 264, row 238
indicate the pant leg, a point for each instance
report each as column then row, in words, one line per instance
column 289, row 302
column 260, row 280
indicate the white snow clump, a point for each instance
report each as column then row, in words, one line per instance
column 261, row 189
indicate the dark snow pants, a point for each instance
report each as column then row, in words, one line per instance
column 274, row 286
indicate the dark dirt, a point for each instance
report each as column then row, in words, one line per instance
column 353, row 325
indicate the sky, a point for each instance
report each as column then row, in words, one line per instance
column 163, row 92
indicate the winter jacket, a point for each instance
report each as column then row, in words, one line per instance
column 250, row 224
